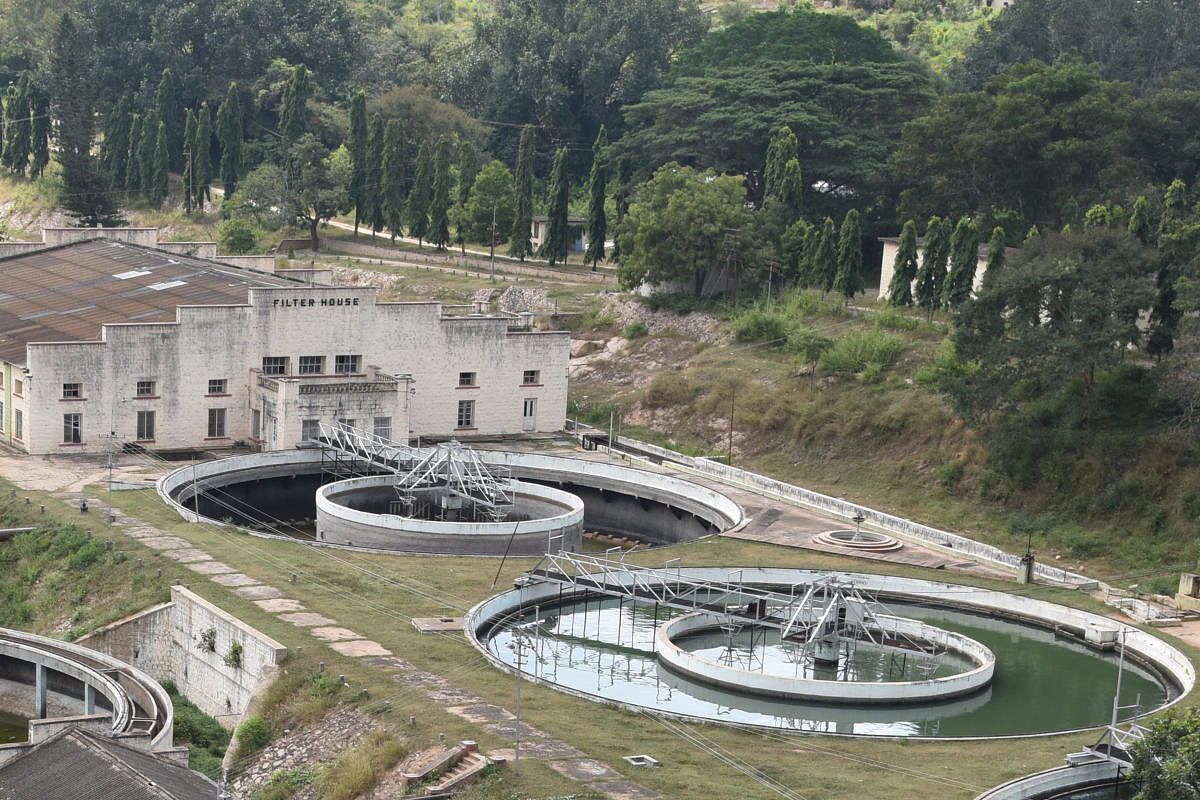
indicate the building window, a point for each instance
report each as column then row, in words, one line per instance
column 310, row 429
column 349, row 422
column 312, row 365
column 18, row 387
column 530, row 377
column 145, row 389
column 346, row 365
column 383, row 427
column 466, row 413
column 145, row 426
column 275, row 365
column 216, row 423
column 218, row 386
column 72, row 428
column 256, row 424
column 72, row 391
column 18, row 424
column 466, row 379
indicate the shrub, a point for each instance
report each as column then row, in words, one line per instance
column 951, row 473
column 891, row 319
column 357, row 770
column 636, row 330
column 208, row 640
column 252, row 735
column 854, row 351
column 757, row 325
column 283, row 783
column 872, row 373
column 666, row 390
column 234, row 657
column 807, row 343
column 236, row 236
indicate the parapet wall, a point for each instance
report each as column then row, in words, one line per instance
column 172, row 642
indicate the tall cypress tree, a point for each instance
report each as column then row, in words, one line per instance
column 781, row 149
column 1175, row 253
column 964, row 260
column 468, row 170
column 158, row 185
column 171, row 112
column 554, row 246
column 357, row 145
column 17, row 140
column 293, row 113
column 417, row 208
column 849, row 279
column 40, row 137
column 996, row 257
column 519, row 245
column 372, row 188
column 805, row 273
column 202, row 165
column 824, row 262
column 133, row 160
column 597, row 223
column 189, row 159
column 395, row 174
column 1139, row 220
column 905, row 267
column 114, row 154
column 932, row 273
column 86, row 192
column 439, row 206
column 229, row 134
column 146, row 149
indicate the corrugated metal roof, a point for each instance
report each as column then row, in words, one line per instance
column 64, row 294
column 75, row 765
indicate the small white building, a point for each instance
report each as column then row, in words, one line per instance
column 891, row 246
column 107, row 343
column 576, row 233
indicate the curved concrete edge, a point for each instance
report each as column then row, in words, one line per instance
column 1148, row 647
column 186, row 482
column 1052, row 782
column 122, row 695
column 851, row 692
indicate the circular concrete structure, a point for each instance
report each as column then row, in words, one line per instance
column 790, row 687
column 542, row 520
column 1055, row 666
column 866, row 541
column 258, row 490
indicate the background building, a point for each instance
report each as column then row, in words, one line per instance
column 102, row 339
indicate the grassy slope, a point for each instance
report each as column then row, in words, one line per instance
column 377, row 603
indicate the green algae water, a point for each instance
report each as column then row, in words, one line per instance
column 1042, row 683
column 12, row 728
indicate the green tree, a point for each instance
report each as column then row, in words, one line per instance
column 86, row 191
column 357, row 145
column 468, row 170
column 133, row 159
column 19, row 133
column 161, row 164
column 569, row 66
column 849, row 279
column 491, row 197
column 293, row 112
column 189, row 156
column 395, row 170
column 313, row 185
column 229, row 134
column 597, row 222
column 417, row 208
column 554, row 246
column 114, row 151
column 1139, row 220
column 823, row 266
column 841, row 88
column 202, row 165
column 373, row 190
column 168, row 100
column 905, row 267
column 146, row 149
column 806, row 273
column 964, row 259
column 997, row 256
column 1176, row 250
column 41, row 133
column 932, row 274
column 676, row 224
column 1167, row 761
column 1067, row 306
column 781, row 149
column 791, row 248
column 439, row 206
column 519, row 245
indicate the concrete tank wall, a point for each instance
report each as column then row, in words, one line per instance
column 339, row 524
column 166, row 642
column 1053, row 782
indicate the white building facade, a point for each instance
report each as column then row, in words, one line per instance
column 266, row 371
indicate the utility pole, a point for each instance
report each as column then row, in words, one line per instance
column 520, row 643
column 493, row 241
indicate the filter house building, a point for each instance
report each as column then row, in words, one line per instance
column 104, row 342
